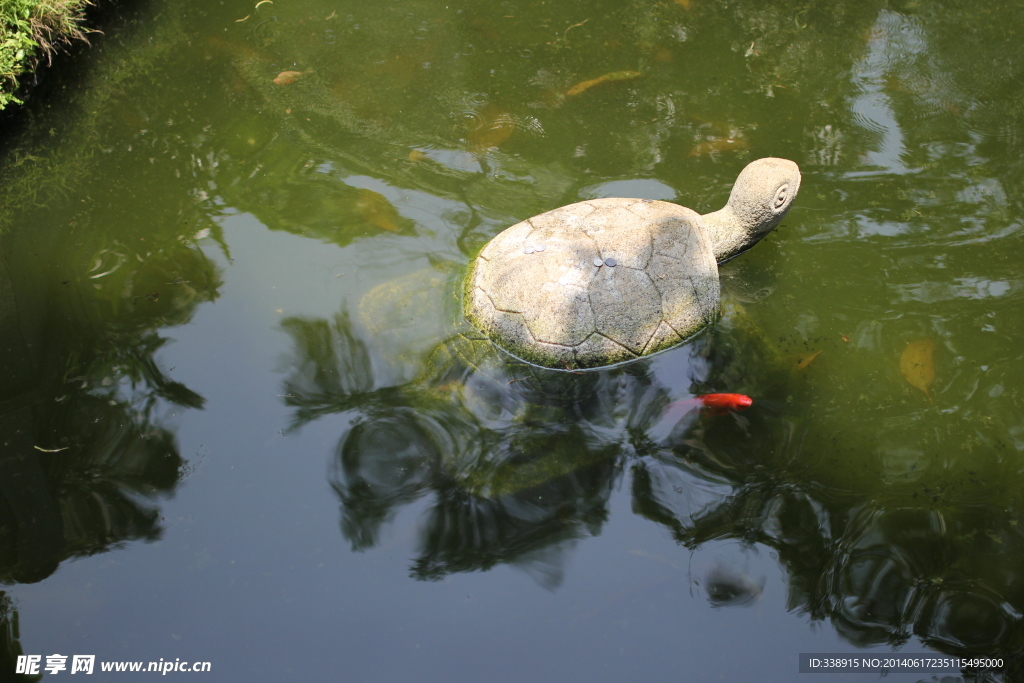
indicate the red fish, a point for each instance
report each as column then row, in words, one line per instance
column 716, row 404
column 725, row 402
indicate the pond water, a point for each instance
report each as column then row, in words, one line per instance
column 241, row 424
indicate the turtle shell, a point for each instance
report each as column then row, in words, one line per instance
column 595, row 283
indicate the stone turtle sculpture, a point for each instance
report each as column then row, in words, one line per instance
column 606, row 281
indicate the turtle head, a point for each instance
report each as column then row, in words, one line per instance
column 762, row 195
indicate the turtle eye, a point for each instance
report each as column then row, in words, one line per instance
column 781, row 197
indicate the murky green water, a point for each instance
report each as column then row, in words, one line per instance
column 239, row 424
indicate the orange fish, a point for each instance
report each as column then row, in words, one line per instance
column 607, row 78
column 289, row 77
column 710, row 404
column 716, row 404
column 723, row 403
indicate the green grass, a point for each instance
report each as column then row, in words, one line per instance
column 30, row 31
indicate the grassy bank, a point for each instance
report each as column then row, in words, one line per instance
column 30, row 31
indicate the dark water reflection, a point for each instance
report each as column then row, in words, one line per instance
column 83, row 445
column 141, row 189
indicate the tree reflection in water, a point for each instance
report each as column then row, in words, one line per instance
column 520, row 461
column 83, row 455
column 521, row 464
